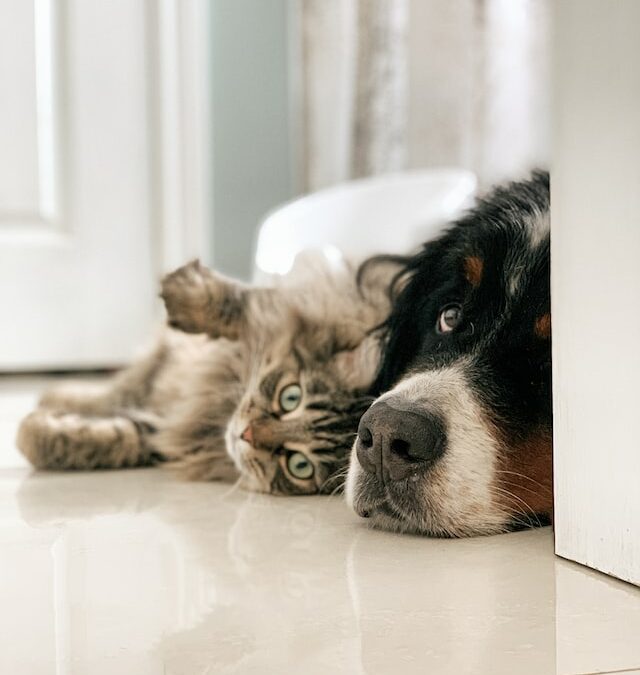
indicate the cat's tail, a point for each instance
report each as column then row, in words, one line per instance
column 56, row 440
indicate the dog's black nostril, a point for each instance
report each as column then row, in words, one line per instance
column 367, row 450
column 365, row 437
column 400, row 448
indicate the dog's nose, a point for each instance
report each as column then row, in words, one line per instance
column 396, row 442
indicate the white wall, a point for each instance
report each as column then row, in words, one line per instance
column 596, row 284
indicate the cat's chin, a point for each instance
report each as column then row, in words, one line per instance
column 234, row 444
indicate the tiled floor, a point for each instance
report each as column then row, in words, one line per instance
column 135, row 572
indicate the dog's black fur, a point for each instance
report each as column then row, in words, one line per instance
column 515, row 369
column 494, row 265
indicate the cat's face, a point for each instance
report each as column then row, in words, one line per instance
column 294, row 427
column 305, row 362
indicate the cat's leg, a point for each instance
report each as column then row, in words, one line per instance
column 94, row 426
column 201, row 301
column 85, row 398
column 130, row 388
column 56, row 440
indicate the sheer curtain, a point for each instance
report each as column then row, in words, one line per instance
column 386, row 85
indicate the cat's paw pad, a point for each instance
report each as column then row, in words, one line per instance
column 187, row 297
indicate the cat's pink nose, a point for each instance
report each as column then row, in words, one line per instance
column 247, row 435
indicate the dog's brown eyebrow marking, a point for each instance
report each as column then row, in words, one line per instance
column 542, row 326
column 473, row 268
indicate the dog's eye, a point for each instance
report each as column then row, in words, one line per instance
column 449, row 319
column 300, row 466
column 290, row 397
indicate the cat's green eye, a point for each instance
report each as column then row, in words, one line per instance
column 290, row 397
column 300, row 466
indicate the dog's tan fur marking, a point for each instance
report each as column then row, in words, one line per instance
column 524, row 478
column 473, row 269
column 542, row 326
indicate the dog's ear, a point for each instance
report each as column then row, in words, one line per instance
column 200, row 301
column 404, row 328
column 357, row 367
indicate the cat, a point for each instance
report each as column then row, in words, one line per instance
column 264, row 386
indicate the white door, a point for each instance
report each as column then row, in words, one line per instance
column 92, row 129
column 595, row 197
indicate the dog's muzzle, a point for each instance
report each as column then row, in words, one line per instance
column 397, row 440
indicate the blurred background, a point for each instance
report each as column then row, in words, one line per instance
column 310, row 93
column 136, row 134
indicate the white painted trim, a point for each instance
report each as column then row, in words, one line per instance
column 47, row 110
column 595, row 286
column 180, row 113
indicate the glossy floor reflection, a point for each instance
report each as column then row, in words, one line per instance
column 136, row 572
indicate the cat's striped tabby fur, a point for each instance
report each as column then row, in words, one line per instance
column 264, row 385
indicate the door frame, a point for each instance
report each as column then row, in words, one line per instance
column 180, row 123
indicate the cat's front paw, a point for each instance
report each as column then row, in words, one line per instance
column 187, row 297
column 201, row 301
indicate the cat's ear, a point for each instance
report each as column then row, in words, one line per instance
column 201, row 301
column 357, row 367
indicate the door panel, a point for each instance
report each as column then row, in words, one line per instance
column 26, row 114
column 77, row 280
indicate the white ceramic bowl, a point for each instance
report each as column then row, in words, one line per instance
column 392, row 213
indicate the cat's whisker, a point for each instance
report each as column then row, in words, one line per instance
column 339, row 476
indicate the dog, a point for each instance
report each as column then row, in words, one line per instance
column 459, row 439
